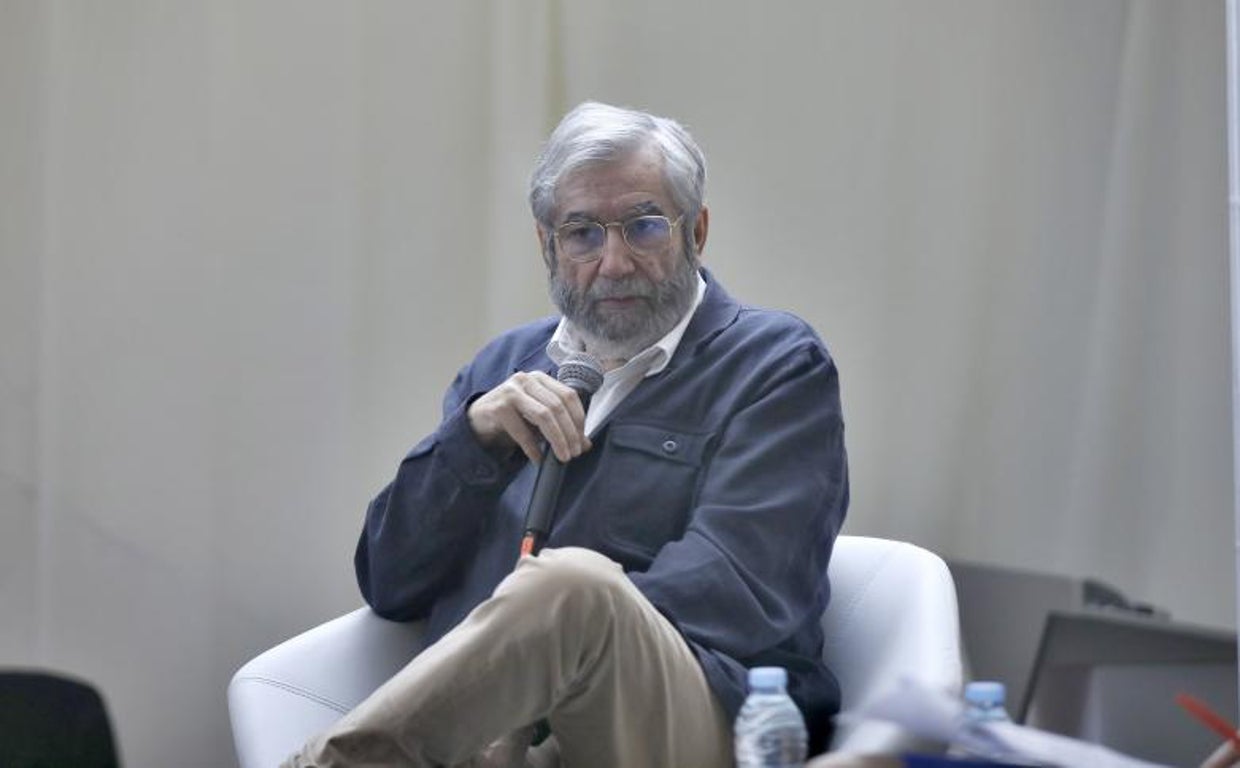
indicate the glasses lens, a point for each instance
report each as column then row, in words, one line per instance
column 581, row 238
column 647, row 233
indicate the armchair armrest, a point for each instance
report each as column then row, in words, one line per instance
column 287, row 694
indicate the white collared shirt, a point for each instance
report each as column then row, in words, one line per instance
column 619, row 382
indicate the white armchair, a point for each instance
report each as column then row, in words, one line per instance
column 892, row 614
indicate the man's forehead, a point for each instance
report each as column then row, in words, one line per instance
column 641, row 208
column 633, row 185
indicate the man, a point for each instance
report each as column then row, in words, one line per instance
column 704, row 490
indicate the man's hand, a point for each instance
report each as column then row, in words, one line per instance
column 1226, row 755
column 526, row 408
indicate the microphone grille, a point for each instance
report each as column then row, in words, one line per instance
column 581, row 371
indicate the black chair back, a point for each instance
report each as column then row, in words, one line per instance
column 50, row 721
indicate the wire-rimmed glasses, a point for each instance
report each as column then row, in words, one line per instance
column 582, row 240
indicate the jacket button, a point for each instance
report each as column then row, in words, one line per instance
column 670, row 446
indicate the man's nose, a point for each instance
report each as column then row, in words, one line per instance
column 616, row 259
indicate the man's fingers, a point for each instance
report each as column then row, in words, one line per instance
column 528, row 408
column 571, row 401
column 548, row 426
column 548, row 409
column 521, row 433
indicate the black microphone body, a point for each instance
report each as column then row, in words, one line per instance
column 584, row 374
column 546, row 493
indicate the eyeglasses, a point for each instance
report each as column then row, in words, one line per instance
column 582, row 241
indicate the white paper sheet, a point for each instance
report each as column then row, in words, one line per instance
column 936, row 715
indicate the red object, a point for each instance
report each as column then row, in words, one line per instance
column 1209, row 717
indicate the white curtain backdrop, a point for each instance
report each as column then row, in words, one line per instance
column 245, row 245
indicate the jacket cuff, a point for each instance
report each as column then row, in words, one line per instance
column 467, row 458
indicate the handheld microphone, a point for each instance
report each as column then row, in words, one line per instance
column 584, row 373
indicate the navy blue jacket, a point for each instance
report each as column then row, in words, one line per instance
column 719, row 484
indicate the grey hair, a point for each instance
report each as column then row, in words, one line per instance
column 597, row 133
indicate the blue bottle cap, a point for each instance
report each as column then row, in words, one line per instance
column 985, row 692
column 767, row 677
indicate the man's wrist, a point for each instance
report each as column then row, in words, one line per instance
column 475, row 463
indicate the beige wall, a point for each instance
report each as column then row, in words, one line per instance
column 244, row 246
column 20, row 307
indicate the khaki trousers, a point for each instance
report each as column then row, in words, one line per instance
column 566, row 637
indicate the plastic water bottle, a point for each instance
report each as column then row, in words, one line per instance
column 770, row 732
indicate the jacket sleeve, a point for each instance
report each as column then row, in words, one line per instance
column 420, row 529
column 751, row 566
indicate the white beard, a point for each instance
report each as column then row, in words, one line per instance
column 621, row 336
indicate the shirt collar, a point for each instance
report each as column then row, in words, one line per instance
column 565, row 341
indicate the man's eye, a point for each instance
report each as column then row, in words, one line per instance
column 577, row 232
column 646, row 225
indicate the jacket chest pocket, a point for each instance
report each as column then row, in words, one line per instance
column 650, row 477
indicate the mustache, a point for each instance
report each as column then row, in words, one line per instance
column 627, row 287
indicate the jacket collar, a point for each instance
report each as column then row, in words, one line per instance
column 717, row 311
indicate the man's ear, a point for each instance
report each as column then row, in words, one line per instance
column 700, row 227
column 544, row 240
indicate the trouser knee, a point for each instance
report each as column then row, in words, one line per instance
column 573, row 579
